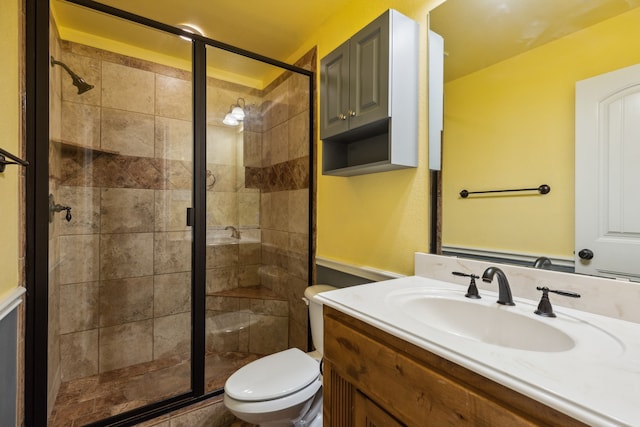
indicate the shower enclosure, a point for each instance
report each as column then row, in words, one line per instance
column 176, row 247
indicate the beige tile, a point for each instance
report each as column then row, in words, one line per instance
column 299, row 211
column 126, row 300
column 223, row 330
column 78, row 307
column 127, row 210
column 126, row 345
column 219, row 102
column 180, row 175
column 248, row 275
column 280, row 210
column 85, row 210
column 173, row 139
column 222, row 208
column 268, row 334
column 79, row 354
column 80, row 124
column 222, row 255
column 275, row 238
column 298, row 264
column 250, row 253
column 299, row 136
column 252, row 149
column 172, row 293
column 173, row 98
column 127, row 88
column 126, row 255
column 298, row 94
column 79, row 260
column 276, row 106
column 171, row 209
column 280, row 143
column 221, row 279
column 224, row 176
column 172, row 252
column 87, row 68
column 270, row 307
column 299, row 243
column 223, row 303
column 266, row 219
column 222, row 142
column 249, row 209
column 267, row 148
column 128, row 133
column 171, row 335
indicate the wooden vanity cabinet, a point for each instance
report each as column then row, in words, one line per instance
column 372, row 378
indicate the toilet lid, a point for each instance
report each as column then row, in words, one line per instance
column 273, row 376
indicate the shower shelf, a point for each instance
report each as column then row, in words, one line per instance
column 256, row 292
column 76, row 146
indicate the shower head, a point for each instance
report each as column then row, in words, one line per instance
column 77, row 80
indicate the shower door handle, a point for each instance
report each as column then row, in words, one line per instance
column 189, row 217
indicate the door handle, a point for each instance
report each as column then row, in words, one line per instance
column 585, row 254
column 189, row 217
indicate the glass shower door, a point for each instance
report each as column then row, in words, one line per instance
column 121, row 157
column 257, row 219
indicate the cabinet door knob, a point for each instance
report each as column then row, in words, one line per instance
column 352, row 113
column 342, row 116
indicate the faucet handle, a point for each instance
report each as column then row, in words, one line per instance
column 472, row 291
column 544, row 307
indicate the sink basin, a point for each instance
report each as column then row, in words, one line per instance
column 483, row 320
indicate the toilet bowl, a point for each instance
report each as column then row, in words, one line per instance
column 284, row 388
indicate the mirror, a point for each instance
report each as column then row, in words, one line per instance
column 510, row 71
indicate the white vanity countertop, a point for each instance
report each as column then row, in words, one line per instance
column 598, row 385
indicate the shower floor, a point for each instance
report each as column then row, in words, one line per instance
column 90, row 399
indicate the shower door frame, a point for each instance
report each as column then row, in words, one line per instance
column 36, row 108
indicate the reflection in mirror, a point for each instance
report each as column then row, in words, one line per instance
column 509, row 118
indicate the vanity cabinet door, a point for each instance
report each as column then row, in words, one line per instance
column 367, row 414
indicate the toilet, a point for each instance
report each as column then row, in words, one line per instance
column 284, row 388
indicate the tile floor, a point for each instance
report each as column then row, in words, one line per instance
column 89, row 399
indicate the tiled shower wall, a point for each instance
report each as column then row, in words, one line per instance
column 127, row 173
column 124, row 279
column 284, row 182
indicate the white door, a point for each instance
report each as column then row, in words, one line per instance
column 608, row 174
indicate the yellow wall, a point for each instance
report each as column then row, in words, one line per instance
column 9, row 134
column 377, row 220
column 494, row 140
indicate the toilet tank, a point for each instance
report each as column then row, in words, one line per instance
column 315, row 314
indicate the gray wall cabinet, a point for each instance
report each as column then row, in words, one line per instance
column 369, row 99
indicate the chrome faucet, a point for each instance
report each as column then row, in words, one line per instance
column 235, row 234
column 504, row 291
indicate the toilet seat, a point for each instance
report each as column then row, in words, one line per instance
column 273, row 377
